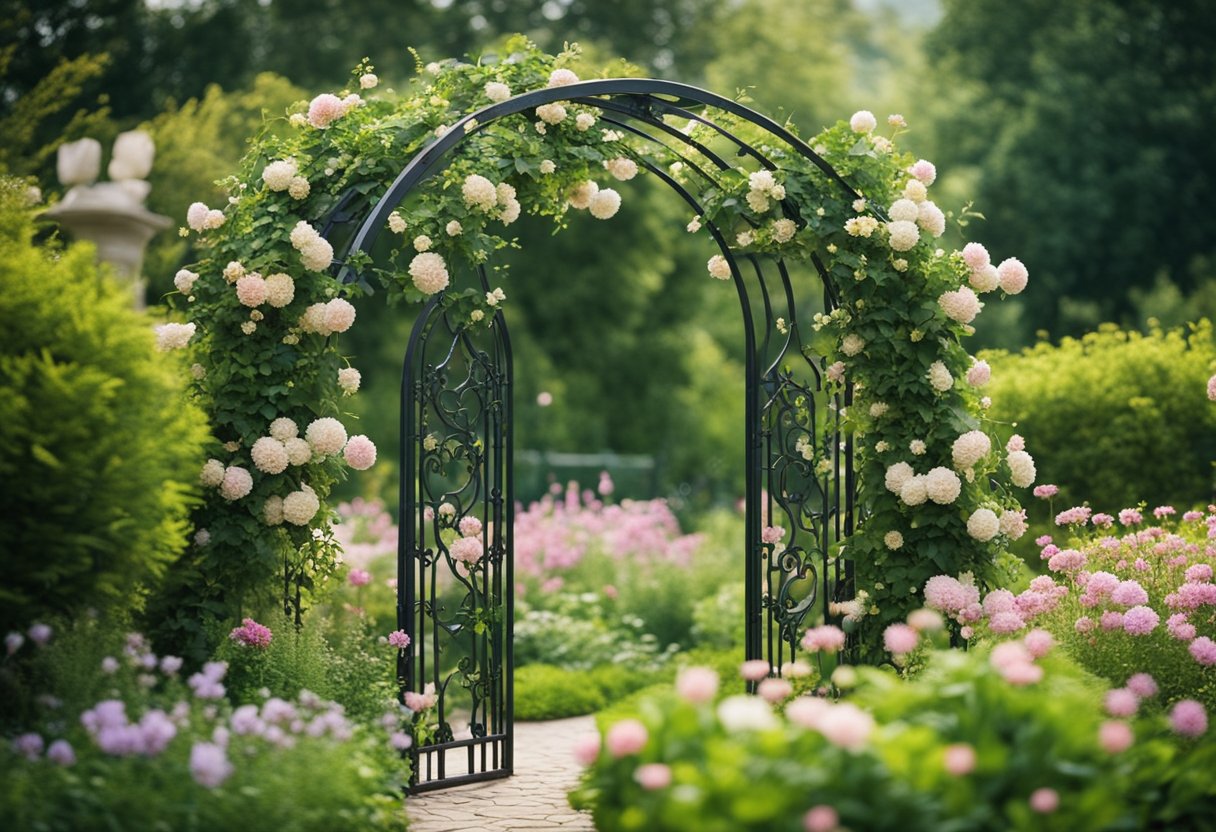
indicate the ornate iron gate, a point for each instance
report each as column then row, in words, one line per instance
column 456, row 435
column 454, row 569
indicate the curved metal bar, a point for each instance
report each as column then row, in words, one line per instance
column 425, row 161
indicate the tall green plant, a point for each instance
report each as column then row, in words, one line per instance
column 99, row 455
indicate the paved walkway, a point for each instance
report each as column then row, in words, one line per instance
column 533, row 799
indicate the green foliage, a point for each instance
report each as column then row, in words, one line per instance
column 544, row 691
column 99, row 454
column 577, row 634
column 735, row 765
column 353, row 777
column 326, row 655
column 1115, row 416
column 1084, row 128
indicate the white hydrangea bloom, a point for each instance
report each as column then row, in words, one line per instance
column 943, row 486
column 283, row 429
column 349, row 379
column 931, row 219
column 605, row 204
column 914, row 490
column 272, row 510
column 299, row 507
column 173, row 336
column 970, row 448
column 903, row 235
column 961, row 305
column 783, row 230
column 562, row 78
column 479, row 192
column 622, row 168
column 497, row 91
column 719, row 267
column 269, row 455
column 212, row 474
column 429, row 273
column 983, row 524
column 852, row 344
column 939, row 377
column 897, row 475
column 893, row 540
column 280, row 290
column 553, row 113
column 903, row 210
column 184, row 281
column 396, row 223
column 985, row 279
column 326, row 435
column 299, row 452
column 1021, row 469
column 1013, row 524
column 580, row 197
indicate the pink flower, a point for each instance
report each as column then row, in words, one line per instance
column 1140, row 621
column 960, row 759
column 359, row 577
column 1013, row 275
column 653, row 776
column 1129, row 594
column 821, row 818
column 29, row 745
column 470, row 526
column 1065, row 560
column 209, row 765
column 400, row 741
column 846, row 726
column 1112, row 620
column 1115, row 737
column 1164, row 511
column 1130, row 517
column 774, row 690
column 1005, row 623
column 827, row 638
column 1180, row 627
column 807, row 711
column 587, row 749
column 468, row 550
column 924, row 170
column 1203, row 650
column 1143, row 685
column 697, row 684
column 1212, row 389
column 1043, row 492
column 1121, row 702
column 835, row 372
column 979, row 374
column 324, row 109
column 252, row 634
column 1102, row 520
column 1084, row 624
column 999, row 600
column 976, row 256
column 40, row 634
column 1043, row 540
column 251, row 290
column 772, row 534
column 399, row 639
column 1189, row 718
column 626, row 737
column 360, row 453
column 949, row 595
column 606, row 486
column 1077, row 515
column 1039, row 643
column 1044, row 801
column 1199, row 573
column 900, row 639
column 754, row 670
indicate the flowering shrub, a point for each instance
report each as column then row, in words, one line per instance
column 158, row 747
column 623, row 568
column 1013, row 737
column 1128, row 596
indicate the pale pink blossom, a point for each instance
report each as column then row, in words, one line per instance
column 821, row 818
column 626, row 737
column 900, row 639
column 1115, row 737
column 1189, row 718
column 653, row 776
column 360, row 453
column 587, row 749
column 1044, row 801
column 697, row 684
column 960, row 759
column 324, row 109
column 754, row 670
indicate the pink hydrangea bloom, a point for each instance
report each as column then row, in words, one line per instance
column 1212, row 389
column 587, row 749
column 976, row 256
column 924, row 170
column 754, row 670
column 359, row 577
column 1066, row 560
column 1199, row 573
column 653, row 776
column 626, row 737
column 846, row 726
column 900, row 639
column 1039, row 643
column 774, row 690
column 946, row 594
column 1130, row 517
column 360, row 453
column 1043, row 540
column 1180, row 627
column 470, row 526
column 399, row 639
column 1203, row 650
column 1102, row 520
column 1140, row 621
column 252, row 634
column 1004, row 623
column 821, row 818
column 1044, row 492
column 827, row 638
column 1164, row 511
column 1112, row 620
column 209, row 765
column 999, row 600
column 1115, row 737
column 1044, row 801
column 697, row 684
column 1077, row 515
column 1121, row 702
column 960, row 759
column 1143, row 685
column 324, row 109
column 772, row 534
column 1189, row 718
column 1084, row 624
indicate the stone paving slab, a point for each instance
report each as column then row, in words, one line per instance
column 534, row 798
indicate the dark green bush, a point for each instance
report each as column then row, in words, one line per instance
column 1114, row 417
column 99, row 449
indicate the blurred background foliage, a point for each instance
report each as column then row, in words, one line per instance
column 1081, row 130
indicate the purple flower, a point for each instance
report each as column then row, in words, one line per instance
column 359, row 577
column 1203, row 650
column 40, row 634
column 170, row 665
column 29, row 745
column 399, row 639
column 252, row 634
column 1189, row 718
column 61, row 753
column 209, row 765
column 1140, row 621
column 13, row 642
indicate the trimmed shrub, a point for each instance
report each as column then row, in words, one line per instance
column 1115, row 415
column 99, row 452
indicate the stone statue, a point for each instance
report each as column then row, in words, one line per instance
column 110, row 214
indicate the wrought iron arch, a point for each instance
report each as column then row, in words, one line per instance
column 466, row 387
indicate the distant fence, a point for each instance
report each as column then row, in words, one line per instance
column 634, row 475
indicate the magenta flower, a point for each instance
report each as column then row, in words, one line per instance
column 1203, row 650
column 1143, row 685
column 61, row 753
column 1122, row 702
column 1140, row 621
column 359, row 577
column 252, row 634
column 399, row 639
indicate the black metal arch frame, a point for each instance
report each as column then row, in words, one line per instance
column 464, row 391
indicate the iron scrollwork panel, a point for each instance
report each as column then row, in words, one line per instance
column 455, row 558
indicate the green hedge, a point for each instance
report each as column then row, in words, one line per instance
column 99, row 452
column 1114, row 417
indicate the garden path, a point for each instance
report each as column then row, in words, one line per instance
column 533, row 799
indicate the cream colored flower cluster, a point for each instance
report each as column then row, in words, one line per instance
column 315, row 251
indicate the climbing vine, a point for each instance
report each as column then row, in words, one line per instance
column 266, row 302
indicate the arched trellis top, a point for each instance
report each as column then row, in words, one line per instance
column 457, row 382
